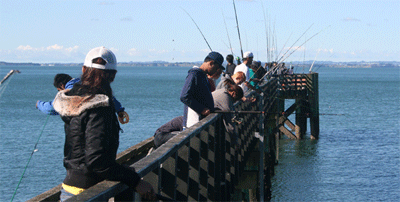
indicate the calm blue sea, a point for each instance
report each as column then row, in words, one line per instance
column 357, row 157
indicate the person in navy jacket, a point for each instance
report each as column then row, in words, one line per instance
column 196, row 93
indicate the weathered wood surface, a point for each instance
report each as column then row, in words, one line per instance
column 201, row 163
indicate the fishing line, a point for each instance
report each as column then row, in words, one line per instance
column 198, row 29
column 266, row 31
column 227, row 33
column 34, row 150
column 295, row 42
column 314, row 61
column 233, row 54
column 302, row 44
column 283, row 47
column 3, row 86
column 319, row 66
column 237, row 24
column 6, row 80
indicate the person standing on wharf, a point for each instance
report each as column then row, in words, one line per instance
column 196, row 94
column 244, row 67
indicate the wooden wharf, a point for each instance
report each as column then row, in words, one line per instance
column 201, row 163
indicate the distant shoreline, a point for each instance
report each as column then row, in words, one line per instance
column 379, row 64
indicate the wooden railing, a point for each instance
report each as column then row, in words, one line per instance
column 201, row 163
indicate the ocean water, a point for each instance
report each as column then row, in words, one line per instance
column 357, row 157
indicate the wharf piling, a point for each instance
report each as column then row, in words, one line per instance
column 202, row 163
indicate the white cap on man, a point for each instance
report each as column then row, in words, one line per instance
column 105, row 54
column 248, row 54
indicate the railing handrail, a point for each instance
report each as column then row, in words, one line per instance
column 107, row 189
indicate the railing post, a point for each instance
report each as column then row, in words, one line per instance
column 261, row 149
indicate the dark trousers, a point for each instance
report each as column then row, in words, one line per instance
column 167, row 131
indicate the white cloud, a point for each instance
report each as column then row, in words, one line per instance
column 71, row 49
column 325, row 50
column 133, row 52
column 55, row 47
column 27, row 47
column 113, row 49
column 53, row 53
column 205, row 50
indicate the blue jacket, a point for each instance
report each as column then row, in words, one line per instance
column 47, row 107
column 196, row 92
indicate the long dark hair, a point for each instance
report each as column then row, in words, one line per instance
column 97, row 81
column 233, row 87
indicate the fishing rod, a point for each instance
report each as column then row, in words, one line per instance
column 304, row 55
column 314, row 61
column 163, row 198
column 33, row 151
column 295, row 43
column 303, row 44
column 283, row 47
column 238, row 112
column 322, row 64
column 266, row 31
column 198, row 29
column 237, row 23
column 274, row 39
column 263, row 112
column 227, row 33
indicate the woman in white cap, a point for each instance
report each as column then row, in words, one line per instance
column 92, row 130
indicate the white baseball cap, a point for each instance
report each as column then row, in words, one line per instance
column 105, row 54
column 248, row 54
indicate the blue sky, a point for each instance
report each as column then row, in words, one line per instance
column 147, row 30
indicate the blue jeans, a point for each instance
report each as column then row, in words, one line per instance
column 65, row 195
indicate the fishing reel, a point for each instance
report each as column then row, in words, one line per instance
column 237, row 119
column 123, row 117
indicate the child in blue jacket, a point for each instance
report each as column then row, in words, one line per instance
column 65, row 81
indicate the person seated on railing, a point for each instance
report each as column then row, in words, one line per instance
column 164, row 133
column 92, row 130
column 223, row 101
column 65, row 81
column 196, row 95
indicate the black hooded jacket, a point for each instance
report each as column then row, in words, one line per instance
column 91, row 139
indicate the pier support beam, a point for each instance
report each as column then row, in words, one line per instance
column 301, row 118
column 314, row 105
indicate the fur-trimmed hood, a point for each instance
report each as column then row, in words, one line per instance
column 74, row 105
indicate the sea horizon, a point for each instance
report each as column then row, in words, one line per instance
column 356, row 157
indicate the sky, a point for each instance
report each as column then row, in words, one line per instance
column 55, row 31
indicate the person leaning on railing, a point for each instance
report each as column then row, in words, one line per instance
column 92, row 130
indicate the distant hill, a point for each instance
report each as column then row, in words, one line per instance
column 361, row 64
column 19, row 64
